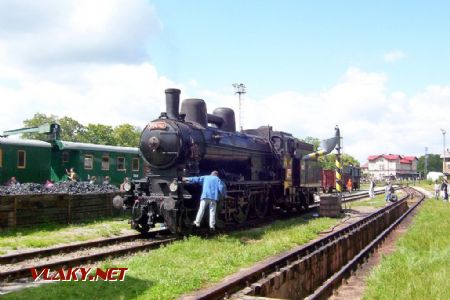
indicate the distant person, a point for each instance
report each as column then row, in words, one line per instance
column 92, row 180
column 212, row 191
column 372, row 188
column 12, row 181
column 387, row 192
column 437, row 189
column 391, row 193
column 71, row 175
column 122, row 185
column 48, row 184
column 349, row 185
column 106, row 180
column 444, row 188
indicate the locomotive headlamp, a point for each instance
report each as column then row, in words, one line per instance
column 173, row 186
column 127, row 186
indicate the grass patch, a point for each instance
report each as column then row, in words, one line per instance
column 52, row 234
column 420, row 267
column 378, row 201
column 189, row 264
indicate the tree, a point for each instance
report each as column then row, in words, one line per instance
column 98, row 134
column 328, row 161
column 127, row 135
column 71, row 130
column 434, row 163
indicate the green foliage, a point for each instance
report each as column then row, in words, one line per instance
column 71, row 130
column 434, row 163
column 314, row 141
column 98, row 134
column 328, row 161
column 127, row 135
column 36, row 120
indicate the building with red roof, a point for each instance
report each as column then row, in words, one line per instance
column 384, row 166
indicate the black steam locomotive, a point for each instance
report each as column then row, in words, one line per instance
column 262, row 168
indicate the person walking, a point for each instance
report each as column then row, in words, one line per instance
column 437, row 189
column 444, row 188
column 372, row 188
column 213, row 190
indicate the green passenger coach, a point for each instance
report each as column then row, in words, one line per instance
column 36, row 161
column 27, row 160
column 96, row 160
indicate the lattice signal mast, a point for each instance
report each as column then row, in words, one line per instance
column 240, row 89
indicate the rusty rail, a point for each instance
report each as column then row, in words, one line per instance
column 333, row 282
column 313, row 262
column 23, row 272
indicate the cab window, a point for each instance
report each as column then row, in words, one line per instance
column 21, row 159
column 135, row 166
column 121, row 163
column 105, row 162
column 88, row 162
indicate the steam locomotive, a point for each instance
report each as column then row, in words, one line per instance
column 261, row 168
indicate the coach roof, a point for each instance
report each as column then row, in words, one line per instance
column 94, row 147
column 23, row 142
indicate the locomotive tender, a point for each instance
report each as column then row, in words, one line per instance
column 261, row 168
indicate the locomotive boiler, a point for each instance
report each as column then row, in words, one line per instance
column 261, row 168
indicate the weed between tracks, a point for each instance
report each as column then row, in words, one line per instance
column 420, row 267
column 54, row 234
column 189, row 264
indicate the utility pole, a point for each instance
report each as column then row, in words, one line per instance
column 426, row 163
column 443, row 141
column 240, row 89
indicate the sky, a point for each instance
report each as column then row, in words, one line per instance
column 378, row 69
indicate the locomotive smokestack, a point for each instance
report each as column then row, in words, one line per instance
column 172, row 103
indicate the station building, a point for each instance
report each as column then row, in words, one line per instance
column 392, row 166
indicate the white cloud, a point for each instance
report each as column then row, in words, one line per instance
column 393, row 56
column 95, row 70
column 371, row 120
column 48, row 32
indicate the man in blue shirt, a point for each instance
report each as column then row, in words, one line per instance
column 213, row 190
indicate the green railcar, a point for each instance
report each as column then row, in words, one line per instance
column 37, row 161
column 96, row 160
column 27, row 160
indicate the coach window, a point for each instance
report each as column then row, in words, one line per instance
column 21, row 159
column 88, row 162
column 65, row 157
column 105, row 162
column 121, row 163
column 135, row 164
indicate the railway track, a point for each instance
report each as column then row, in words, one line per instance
column 18, row 265
column 315, row 269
